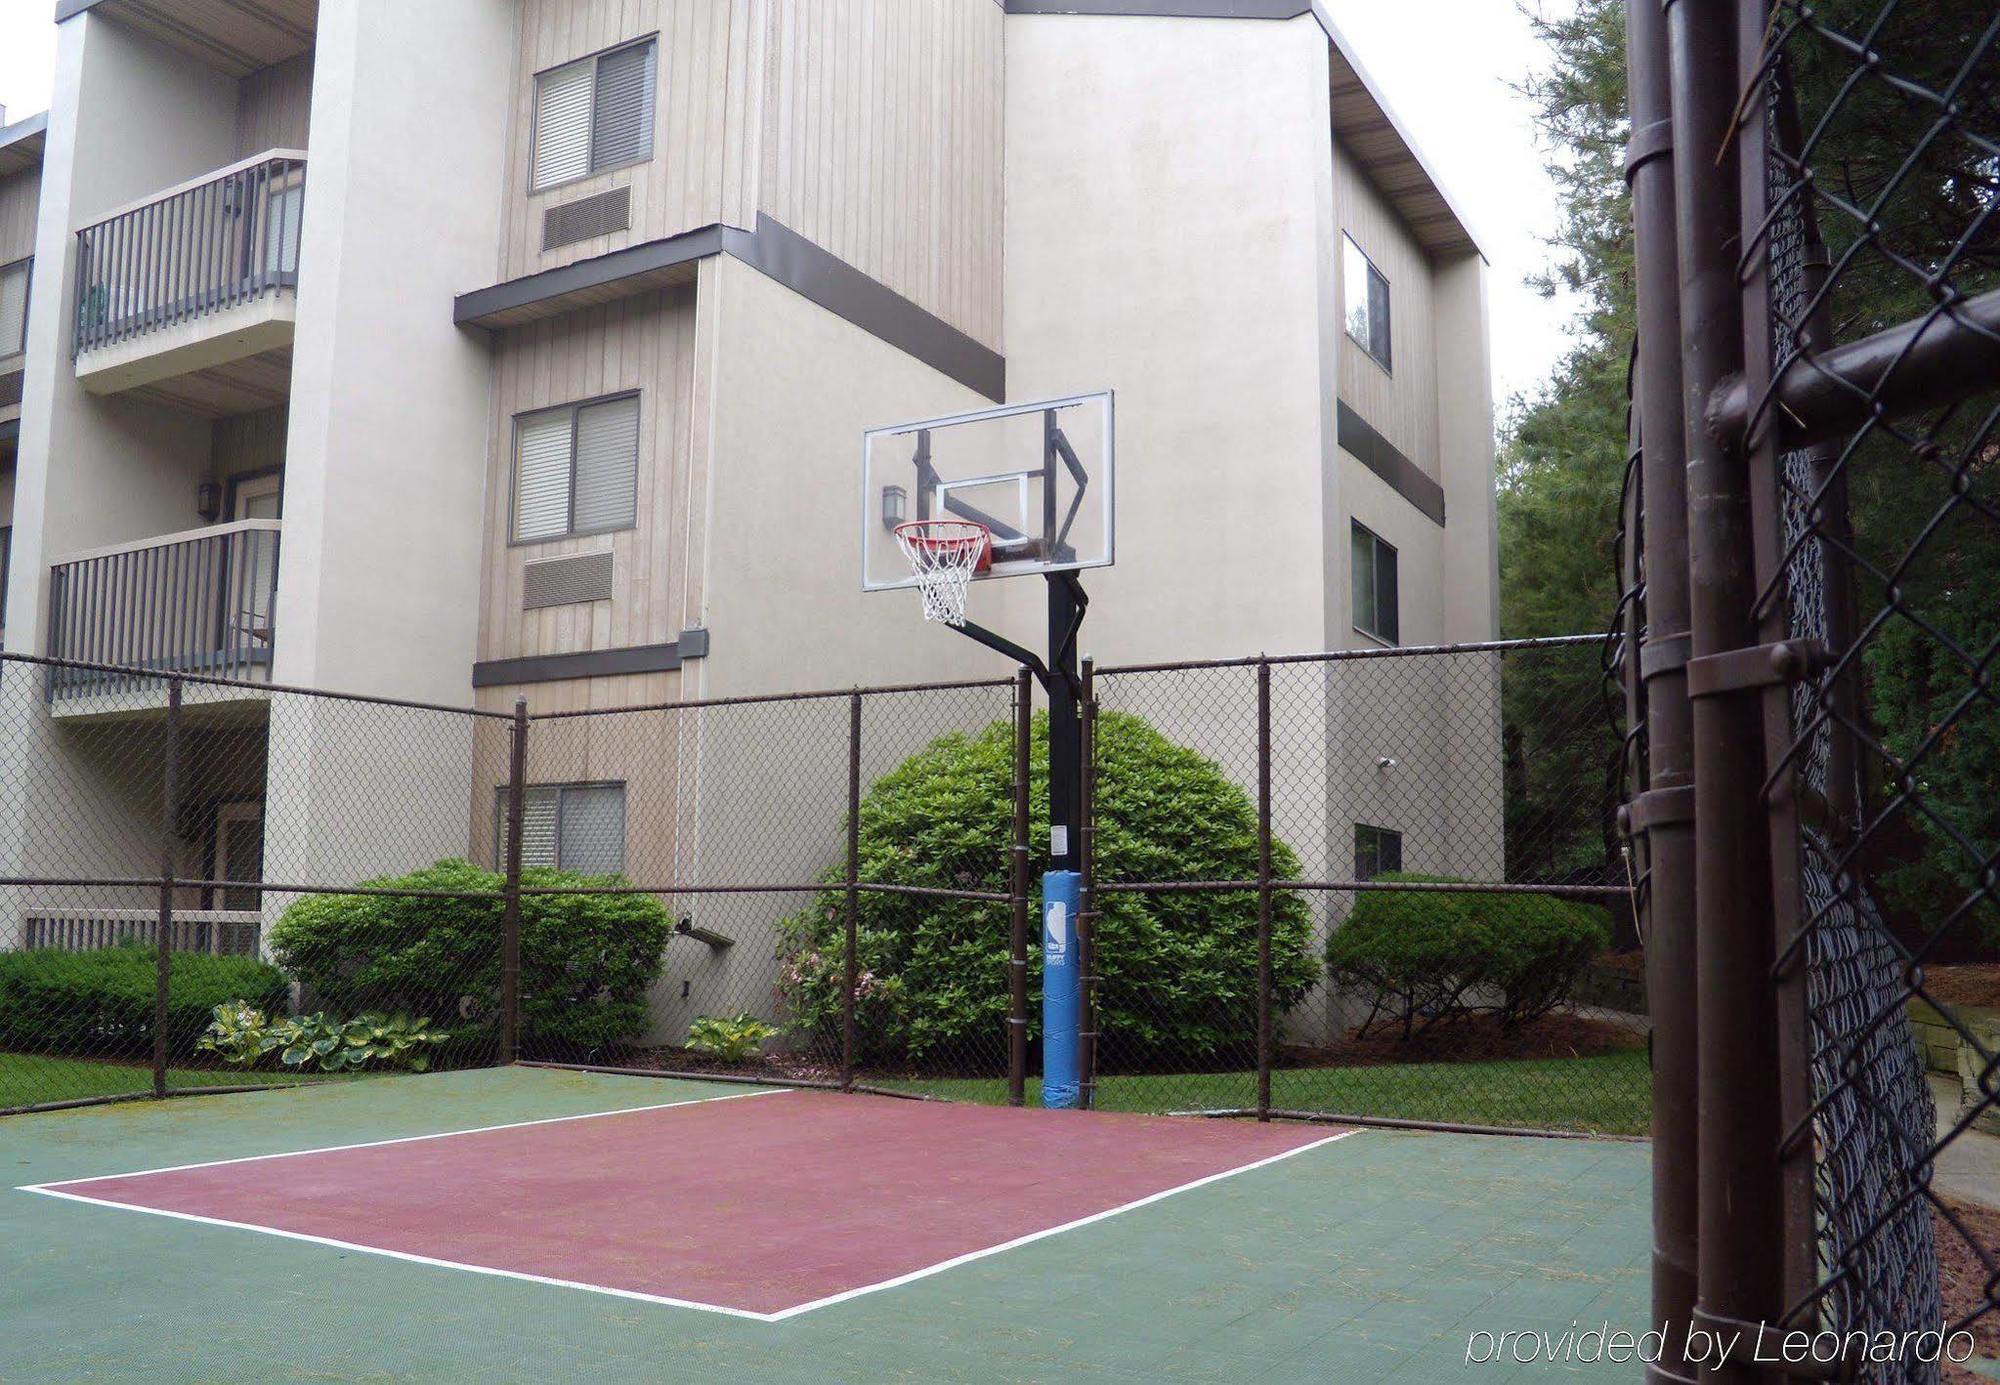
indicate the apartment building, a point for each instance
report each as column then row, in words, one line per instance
column 20, row 191
column 484, row 349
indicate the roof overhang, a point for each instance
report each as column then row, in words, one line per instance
column 233, row 36
column 1363, row 123
column 21, row 144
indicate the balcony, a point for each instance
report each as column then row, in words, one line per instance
column 197, row 602
column 190, row 295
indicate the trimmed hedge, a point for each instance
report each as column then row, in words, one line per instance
column 1428, row 957
column 587, row 960
column 1177, row 972
column 99, row 1002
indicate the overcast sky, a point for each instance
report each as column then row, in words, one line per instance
column 1445, row 65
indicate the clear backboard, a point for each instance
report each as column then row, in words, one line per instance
column 1037, row 476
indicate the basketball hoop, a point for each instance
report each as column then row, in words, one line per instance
column 945, row 555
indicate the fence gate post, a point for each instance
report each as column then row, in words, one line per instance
column 163, row 951
column 1661, row 818
column 852, row 970
column 1086, row 911
column 510, row 913
column 1263, row 889
column 1017, row 941
column 1739, row 1257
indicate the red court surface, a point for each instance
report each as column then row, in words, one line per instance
column 764, row 1205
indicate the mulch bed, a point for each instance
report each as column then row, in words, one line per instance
column 1969, row 983
column 1474, row 1040
column 1964, row 1278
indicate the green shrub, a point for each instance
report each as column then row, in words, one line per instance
column 732, row 1038
column 244, row 1036
column 1177, row 972
column 1424, row 957
column 587, row 960
column 100, row 1001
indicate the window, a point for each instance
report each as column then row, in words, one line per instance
column 579, row 827
column 14, row 307
column 576, row 469
column 594, row 114
column 1375, row 587
column 1377, row 851
column 1367, row 294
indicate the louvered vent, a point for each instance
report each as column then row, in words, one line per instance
column 566, row 581
column 587, row 217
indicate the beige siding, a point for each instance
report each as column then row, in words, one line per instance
column 247, row 443
column 1402, row 403
column 882, row 143
column 703, row 140
column 19, row 196
column 644, row 344
column 274, row 107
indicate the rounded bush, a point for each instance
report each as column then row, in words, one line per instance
column 100, row 1001
column 1427, row 956
column 587, row 960
column 1177, row 972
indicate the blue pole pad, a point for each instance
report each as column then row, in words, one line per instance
column 1062, row 989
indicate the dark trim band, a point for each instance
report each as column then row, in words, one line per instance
column 1358, row 437
column 822, row 277
column 774, row 250
column 596, row 663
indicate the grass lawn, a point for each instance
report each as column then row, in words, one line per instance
column 28, row 1079
column 1610, row 1094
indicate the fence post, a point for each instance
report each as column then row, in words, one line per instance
column 510, row 912
column 1017, row 942
column 853, row 968
column 163, row 951
column 1663, row 815
column 1086, row 912
column 1263, row 889
column 1740, row 1251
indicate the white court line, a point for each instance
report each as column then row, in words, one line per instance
column 54, row 1190
column 398, row 1140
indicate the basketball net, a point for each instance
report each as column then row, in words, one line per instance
column 944, row 555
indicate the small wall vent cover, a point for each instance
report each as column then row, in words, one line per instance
column 566, row 581
column 587, row 217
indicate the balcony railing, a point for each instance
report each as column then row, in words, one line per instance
column 198, row 602
column 198, row 249
column 194, row 930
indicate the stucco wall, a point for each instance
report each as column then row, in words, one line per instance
column 1166, row 180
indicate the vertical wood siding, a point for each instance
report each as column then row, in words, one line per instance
column 274, row 107
column 644, row 344
column 246, row 443
column 1401, row 404
column 882, row 144
column 19, row 197
column 703, row 136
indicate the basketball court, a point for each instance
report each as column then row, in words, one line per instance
column 532, row 1224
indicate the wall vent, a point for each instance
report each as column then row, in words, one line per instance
column 566, row 581
column 587, row 217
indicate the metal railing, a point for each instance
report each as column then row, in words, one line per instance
column 197, row 249
column 195, row 602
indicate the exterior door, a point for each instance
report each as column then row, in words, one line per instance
column 239, row 853
column 253, row 566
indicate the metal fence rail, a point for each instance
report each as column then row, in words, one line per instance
column 1809, row 651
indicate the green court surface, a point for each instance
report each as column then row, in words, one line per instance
column 1368, row 1259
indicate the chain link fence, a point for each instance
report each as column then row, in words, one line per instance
column 1421, row 846
column 1810, row 650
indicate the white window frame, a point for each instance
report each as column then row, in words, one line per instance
column 560, row 790
column 569, row 530
column 1380, row 834
column 1371, row 272
column 26, row 264
column 592, row 168
column 1371, row 627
